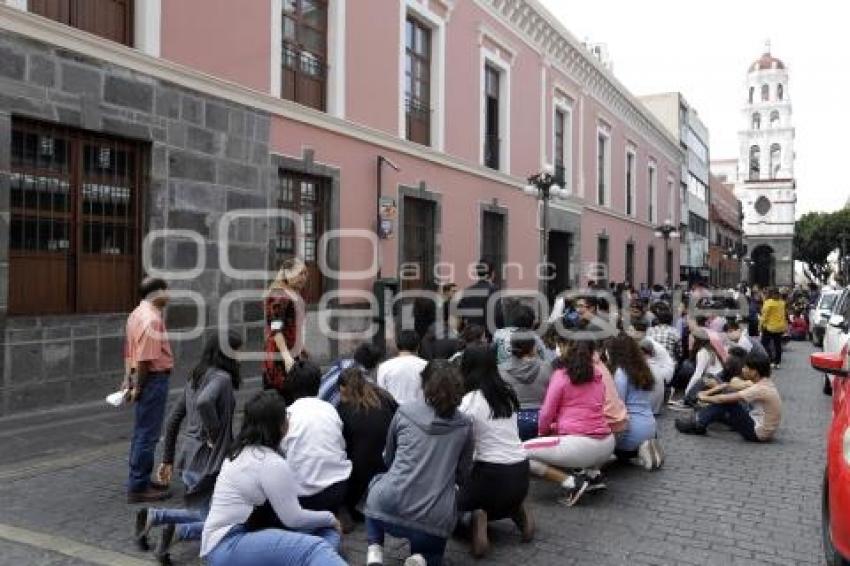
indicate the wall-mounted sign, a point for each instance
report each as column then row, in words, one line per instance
column 387, row 213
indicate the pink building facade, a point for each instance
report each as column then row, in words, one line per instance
column 430, row 114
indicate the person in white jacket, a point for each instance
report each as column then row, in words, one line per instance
column 663, row 369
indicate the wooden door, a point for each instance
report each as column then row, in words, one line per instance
column 419, row 243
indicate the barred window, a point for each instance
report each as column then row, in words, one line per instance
column 111, row 19
column 306, row 196
column 305, row 50
column 418, row 81
column 73, row 236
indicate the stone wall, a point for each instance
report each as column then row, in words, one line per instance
column 207, row 157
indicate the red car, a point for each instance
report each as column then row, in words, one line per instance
column 836, row 481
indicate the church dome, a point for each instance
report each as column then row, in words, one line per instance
column 766, row 62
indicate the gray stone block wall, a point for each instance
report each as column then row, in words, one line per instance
column 207, row 156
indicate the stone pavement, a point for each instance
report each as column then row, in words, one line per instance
column 717, row 500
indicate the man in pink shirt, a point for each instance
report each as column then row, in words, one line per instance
column 148, row 363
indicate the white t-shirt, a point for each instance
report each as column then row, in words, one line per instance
column 496, row 440
column 402, row 378
column 663, row 368
column 314, row 446
column 256, row 475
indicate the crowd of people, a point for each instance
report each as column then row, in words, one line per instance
column 443, row 437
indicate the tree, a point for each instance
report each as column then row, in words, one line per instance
column 814, row 240
column 816, row 236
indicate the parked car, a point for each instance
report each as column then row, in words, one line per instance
column 835, row 502
column 837, row 331
column 820, row 314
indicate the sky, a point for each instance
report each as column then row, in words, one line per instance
column 703, row 50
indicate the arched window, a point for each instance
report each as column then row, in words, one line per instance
column 779, row 92
column 774, row 119
column 752, row 93
column 755, row 166
column 765, row 93
column 775, row 160
column 756, row 121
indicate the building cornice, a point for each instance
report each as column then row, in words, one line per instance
column 544, row 33
column 64, row 37
column 618, row 215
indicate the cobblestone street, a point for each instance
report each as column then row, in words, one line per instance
column 716, row 501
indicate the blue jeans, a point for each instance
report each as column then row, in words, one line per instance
column 527, row 423
column 430, row 547
column 149, row 413
column 275, row 546
column 190, row 522
column 735, row 415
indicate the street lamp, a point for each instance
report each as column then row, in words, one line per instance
column 545, row 187
column 667, row 231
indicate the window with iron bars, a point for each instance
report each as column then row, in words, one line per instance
column 305, row 50
column 418, row 81
column 75, row 203
column 307, row 197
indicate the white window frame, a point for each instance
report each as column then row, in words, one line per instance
column 671, row 202
column 336, row 55
column 604, row 131
column 563, row 103
column 630, row 188
column 437, row 25
column 652, row 191
column 147, row 23
column 489, row 57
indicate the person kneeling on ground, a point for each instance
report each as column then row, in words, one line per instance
column 366, row 411
column 365, row 358
column 754, row 412
column 254, row 474
column 499, row 482
column 207, row 406
column 635, row 384
column 575, row 434
column 429, row 450
column 529, row 377
column 314, row 445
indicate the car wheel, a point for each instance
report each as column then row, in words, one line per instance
column 833, row 558
column 827, row 385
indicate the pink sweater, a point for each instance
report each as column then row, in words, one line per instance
column 574, row 409
column 615, row 410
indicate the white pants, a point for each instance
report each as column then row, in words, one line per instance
column 568, row 452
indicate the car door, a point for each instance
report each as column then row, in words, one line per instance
column 836, row 335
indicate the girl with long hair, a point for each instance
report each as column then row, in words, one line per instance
column 707, row 363
column 499, row 482
column 207, row 406
column 366, row 411
column 575, row 434
column 282, row 330
column 256, row 474
column 635, row 383
column 428, row 451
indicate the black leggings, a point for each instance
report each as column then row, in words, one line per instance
column 329, row 499
column 772, row 342
column 497, row 489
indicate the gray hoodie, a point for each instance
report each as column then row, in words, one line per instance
column 426, row 456
column 529, row 377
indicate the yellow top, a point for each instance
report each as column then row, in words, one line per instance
column 773, row 316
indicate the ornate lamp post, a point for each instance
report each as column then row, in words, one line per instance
column 544, row 186
column 667, row 231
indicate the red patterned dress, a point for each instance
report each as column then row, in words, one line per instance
column 279, row 308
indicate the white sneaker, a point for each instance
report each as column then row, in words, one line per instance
column 416, row 560
column 650, row 454
column 375, row 555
